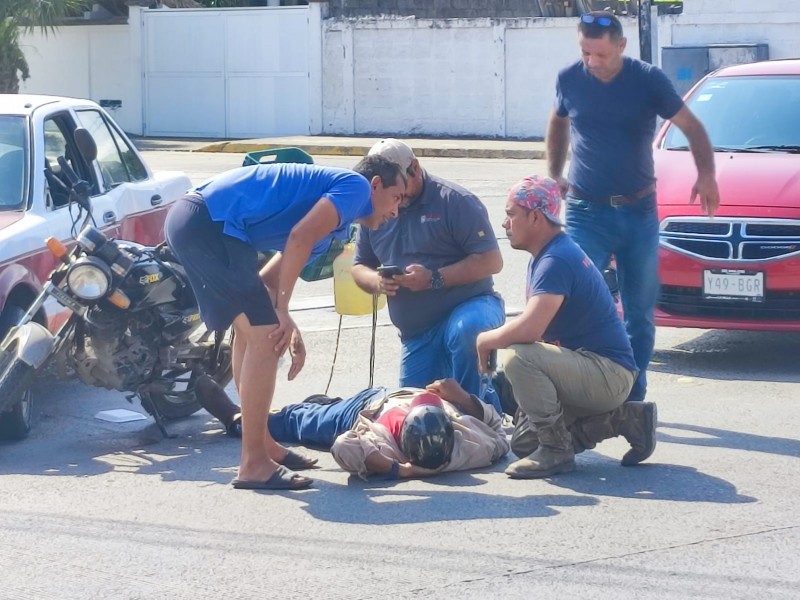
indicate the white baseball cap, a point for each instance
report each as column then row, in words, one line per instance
column 394, row 151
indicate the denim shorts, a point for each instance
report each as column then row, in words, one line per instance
column 222, row 270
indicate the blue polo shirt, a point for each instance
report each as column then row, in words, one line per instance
column 612, row 126
column 587, row 318
column 443, row 226
column 261, row 204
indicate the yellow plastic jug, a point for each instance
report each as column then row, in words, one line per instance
column 349, row 298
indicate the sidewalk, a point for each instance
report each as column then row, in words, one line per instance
column 359, row 146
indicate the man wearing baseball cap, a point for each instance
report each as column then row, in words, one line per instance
column 568, row 358
column 446, row 252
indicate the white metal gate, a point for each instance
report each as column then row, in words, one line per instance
column 226, row 73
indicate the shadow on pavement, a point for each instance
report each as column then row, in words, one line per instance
column 648, row 481
column 724, row 438
column 374, row 506
column 733, row 355
column 200, row 451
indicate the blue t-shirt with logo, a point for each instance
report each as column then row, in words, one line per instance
column 441, row 227
column 588, row 318
column 261, row 204
column 612, row 126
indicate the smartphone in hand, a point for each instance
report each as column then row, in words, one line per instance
column 491, row 364
column 390, row 271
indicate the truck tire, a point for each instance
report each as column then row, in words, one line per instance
column 15, row 378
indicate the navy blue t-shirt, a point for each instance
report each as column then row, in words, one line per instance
column 587, row 318
column 441, row 227
column 612, row 126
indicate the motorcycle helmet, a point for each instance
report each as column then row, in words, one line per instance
column 427, row 437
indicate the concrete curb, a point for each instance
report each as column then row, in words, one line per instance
column 243, row 147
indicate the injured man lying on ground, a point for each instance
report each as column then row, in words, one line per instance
column 407, row 433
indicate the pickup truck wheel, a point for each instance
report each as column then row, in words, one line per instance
column 15, row 422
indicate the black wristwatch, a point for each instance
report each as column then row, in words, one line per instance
column 437, row 281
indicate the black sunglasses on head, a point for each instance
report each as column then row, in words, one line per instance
column 602, row 21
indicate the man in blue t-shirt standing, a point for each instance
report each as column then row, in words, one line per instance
column 444, row 245
column 216, row 230
column 606, row 105
column 569, row 360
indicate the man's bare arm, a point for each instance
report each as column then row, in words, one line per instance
column 703, row 153
column 557, row 143
column 371, row 282
column 472, row 268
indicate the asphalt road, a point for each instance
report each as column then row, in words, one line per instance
column 90, row 509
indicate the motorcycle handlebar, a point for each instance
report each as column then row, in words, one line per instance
column 79, row 189
column 68, row 171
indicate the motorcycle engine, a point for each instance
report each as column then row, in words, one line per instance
column 120, row 353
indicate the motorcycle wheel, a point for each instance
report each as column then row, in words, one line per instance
column 15, row 423
column 179, row 404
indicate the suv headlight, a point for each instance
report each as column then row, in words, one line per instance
column 89, row 278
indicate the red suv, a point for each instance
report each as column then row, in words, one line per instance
column 741, row 269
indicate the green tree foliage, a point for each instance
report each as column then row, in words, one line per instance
column 29, row 15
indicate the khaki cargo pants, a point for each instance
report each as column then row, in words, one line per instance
column 550, row 382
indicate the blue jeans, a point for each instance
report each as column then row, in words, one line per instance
column 630, row 234
column 319, row 420
column 448, row 348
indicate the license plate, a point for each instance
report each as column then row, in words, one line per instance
column 733, row 284
column 65, row 299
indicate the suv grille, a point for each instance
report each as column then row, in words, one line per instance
column 689, row 301
column 772, row 230
column 732, row 239
column 710, row 228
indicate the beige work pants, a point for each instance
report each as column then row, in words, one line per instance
column 550, row 382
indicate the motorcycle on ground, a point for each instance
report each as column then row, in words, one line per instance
column 133, row 323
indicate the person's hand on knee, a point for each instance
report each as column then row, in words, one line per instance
column 297, row 350
column 282, row 335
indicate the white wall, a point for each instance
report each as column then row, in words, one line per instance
column 534, row 55
column 87, row 61
column 480, row 77
column 774, row 22
column 487, row 77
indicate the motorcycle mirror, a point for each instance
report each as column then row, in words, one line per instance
column 86, row 144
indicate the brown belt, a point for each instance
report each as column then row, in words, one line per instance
column 617, row 201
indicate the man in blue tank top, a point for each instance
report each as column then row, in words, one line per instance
column 606, row 105
column 569, row 360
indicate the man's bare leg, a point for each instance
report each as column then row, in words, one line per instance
column 275, row 450
column 238, row 349
column 256, row 385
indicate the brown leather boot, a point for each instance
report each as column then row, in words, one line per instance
column 525, row 441
column 505, row 392
column 213, row 398
column 553, row 455
column 635, row 421
column 579, row 442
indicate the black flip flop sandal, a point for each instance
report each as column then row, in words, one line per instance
column 281, row 479
column 298, row 462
